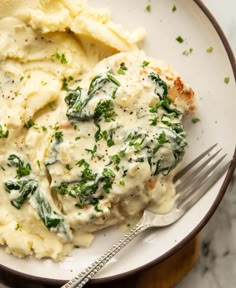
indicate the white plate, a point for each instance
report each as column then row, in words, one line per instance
column 205, row 72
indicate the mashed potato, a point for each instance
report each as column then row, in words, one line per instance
column 90, row 127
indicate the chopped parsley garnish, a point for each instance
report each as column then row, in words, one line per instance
column 68, row 167
column 88, row 185
column 187, row 52
column 226, row 80
column 162, row 139
column 38, row 164
column 180, row 39
column 154, row 121
column 50, row 105
column 44, row 128
column 59, row 137
column 122, row 69
column 22, row 168
column 174, row 8
column 136, row 140
column 108, row 177
column 77, row 138
column 59, row 56
column 63, row 59
column 145, row 63
column 195, row 120
column 4, row 133
column 148, row 8
column 105, row 110
column 65, row 83
column 30, row 123
column 92, row 151
column 17, row 227
column 209, row 49
column 105, row 135
column 116, row 161
column 122, row 182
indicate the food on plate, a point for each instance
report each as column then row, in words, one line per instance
column 90, row 127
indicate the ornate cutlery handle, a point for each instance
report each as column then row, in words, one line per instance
column 83, row 277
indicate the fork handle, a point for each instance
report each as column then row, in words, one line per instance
column 83, row 277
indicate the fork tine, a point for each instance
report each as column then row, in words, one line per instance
column 192, row 164
column 199, row 181
column 199, row 193
column 193, row 174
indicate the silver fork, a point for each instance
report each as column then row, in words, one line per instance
column 192, row 182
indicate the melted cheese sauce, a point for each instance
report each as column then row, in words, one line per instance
column 83, row 145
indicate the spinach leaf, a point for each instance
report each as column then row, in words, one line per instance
column 77, row 103
column 85, row 189
column 160, row 85
column 23, row 187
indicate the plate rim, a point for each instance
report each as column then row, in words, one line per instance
column 203, row 222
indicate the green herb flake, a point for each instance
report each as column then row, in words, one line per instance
column 153, row 121
column 108, row 177
column 209, row 49
column 180, row 39
column 4, row 133
column 44, row 128
column 59, row 136
column 145, row 63
column 187, row 52
column 110, row 142
column 60, row 57
column 17, row 227
column 22, row 168
column 122, row 69
column 30, row 123
column 68, row 167
column 174, row 8
column 77, row 138
column 116, row 161
column 65, row 83
column 148, row 8
column 92, row 151
column 43, row 83
column 50, row 105
column 122, row 183
column 38, row 164
column 162, row 139
column 63, row 59
column 195, row 120
column 136, row 140
column 226, row 80
column 22, row 78
column 105, row 109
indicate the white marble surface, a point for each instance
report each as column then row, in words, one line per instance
column 216, row 267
